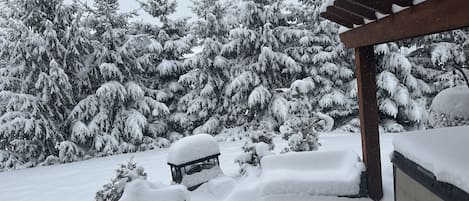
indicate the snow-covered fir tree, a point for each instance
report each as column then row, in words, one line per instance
column 260, row 65
column 174, row 43
column 208, row 69
column 36, row 91
column 120, row 116
column 327, row 63
column 302, row 126
column 124, row 174
column 401, row 95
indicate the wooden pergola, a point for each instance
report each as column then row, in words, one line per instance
column 373, row 22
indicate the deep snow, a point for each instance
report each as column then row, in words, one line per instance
column 80, row 180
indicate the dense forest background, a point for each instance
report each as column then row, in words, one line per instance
column 79, row 81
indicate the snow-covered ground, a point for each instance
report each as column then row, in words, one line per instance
column 80, row 180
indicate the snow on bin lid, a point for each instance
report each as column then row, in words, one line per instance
column 441, row 151
column 453, row 101
column 192, row 148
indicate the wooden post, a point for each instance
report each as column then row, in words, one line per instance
column 368, row 108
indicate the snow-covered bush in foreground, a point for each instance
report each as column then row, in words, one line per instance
column 258, row 145
column 124, row 174
column 450, row 108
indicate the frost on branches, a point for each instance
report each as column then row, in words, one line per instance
column 126, row 173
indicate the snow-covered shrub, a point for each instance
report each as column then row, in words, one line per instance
column 302, row 126
column 258, row 145
column 124, row 174
column 450, row 108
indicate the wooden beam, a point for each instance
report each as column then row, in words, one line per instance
column 431, row 16
column 368, row 109
column 355, row 9
column 347, row 15
column 337, row 19
column 404, row 3
column 382, row 6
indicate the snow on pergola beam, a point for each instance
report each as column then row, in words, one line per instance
column 428, row 17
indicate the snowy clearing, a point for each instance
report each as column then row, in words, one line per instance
column 79, row 181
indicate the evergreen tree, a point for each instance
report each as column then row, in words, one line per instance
column 168, row 66
column 259, row 63
column 36, row 89
column 124, row 174
column 208, row 70
column 121, row 115
column 327, row 63
column 401, row 95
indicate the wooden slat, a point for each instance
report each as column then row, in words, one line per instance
column 345, row 15
column 368, row 108
column 404, row 3
column 431, row 16
column 355, row 9
column 337, row 19
column 382, row 6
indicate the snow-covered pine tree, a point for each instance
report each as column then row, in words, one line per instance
column 326, row 61
column 124, row 174
column 120, row 116
column 302, row 125
column 36, row 89
column 401, row 100
column 256, row 48
column 164, row 73
column 208, row 69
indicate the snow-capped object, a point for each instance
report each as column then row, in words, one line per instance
column 315, row 173
column 192, row 148
column 450, row 107
column 441, row 151
column 263, row 149
column 141, row 190
column 453, row 101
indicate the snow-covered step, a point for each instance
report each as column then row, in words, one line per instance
column 324, row 173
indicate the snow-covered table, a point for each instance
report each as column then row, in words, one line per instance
column 322, row 173
column 432, row 164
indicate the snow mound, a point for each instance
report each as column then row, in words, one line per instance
column 452, row 101
column 219, row 187
column 192, row 148
column 449, row 108
column 315, row 173
column 442, row 151
column 141, row 190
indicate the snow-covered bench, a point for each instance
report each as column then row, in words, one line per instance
column 322, row 173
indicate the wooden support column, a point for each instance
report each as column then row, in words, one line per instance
column 368, row 108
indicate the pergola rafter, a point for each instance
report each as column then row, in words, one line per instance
column 379, row 21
